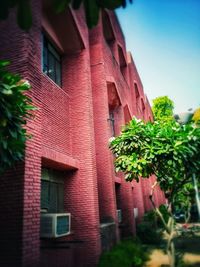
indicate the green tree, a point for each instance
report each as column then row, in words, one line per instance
column 164, row 148
column 163, row 108
column 15, row 108
column 92, row 9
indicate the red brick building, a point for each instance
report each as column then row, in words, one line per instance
column 85, row 86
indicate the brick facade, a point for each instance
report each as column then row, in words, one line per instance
column 101, row 90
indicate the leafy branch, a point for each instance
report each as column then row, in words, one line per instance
column 15, row 107
column 91, row 7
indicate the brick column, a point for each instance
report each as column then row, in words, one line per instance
column 32, row 174
column 105, row 174
column 81, row 188
column 20, row 187
column 138, row 199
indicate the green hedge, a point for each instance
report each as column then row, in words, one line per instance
column 128, row 253
column 150, row 230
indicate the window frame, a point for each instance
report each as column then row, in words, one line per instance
column 54, row 181
column 112, row 122
column 51, row 52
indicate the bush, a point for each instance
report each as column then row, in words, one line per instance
column 128, row 253
column 150, row 229
column 152, row 218
column 148, row 234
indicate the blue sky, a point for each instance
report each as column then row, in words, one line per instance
column 164, row 39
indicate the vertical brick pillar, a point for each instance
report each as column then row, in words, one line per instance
column 146, row 189
column 11, row 208
column 127, row 205
column 105, row 174
column 126, row 194
column 81, row 188
column 138, row 200
column 20, row 187
column 32, row 175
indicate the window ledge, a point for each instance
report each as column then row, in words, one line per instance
column 58, row 160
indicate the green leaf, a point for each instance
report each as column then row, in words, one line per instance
column 111, row 4
column 60, row 5
column 91, row 12
column 4, row 63
column 13, row 133
column 178, row 143
column 24, row 15
column 4, row 10
column 7, row 92
column 3, row 122
column 5, row 144
column 76, row 4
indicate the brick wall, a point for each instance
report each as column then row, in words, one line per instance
column 70, row 132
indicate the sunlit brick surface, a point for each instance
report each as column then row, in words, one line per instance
column 70, row 132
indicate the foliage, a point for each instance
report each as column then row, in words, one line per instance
column 148, row 234
column 92, row 9
column 165, row 213
column 150, row 229
column 14, row 110
column 163, row 108
column 182, row 200
column 196, row 116
column 128, row 253
column 152, row 217
column 168, row 150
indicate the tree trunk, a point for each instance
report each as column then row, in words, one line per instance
column 169, row 227
column 170, row 244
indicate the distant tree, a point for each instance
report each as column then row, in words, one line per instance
column 196, row 116
column 163, row 108
column 15, row 108
column 92, row 9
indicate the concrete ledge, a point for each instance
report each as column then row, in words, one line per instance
column 58, row 160
column 118, row 180
column 102, row 225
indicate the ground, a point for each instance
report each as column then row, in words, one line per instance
column 187, row 245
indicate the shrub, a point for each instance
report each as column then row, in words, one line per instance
column 152, row 218
column 128, row 253
column 150, row 229
column 148, row 234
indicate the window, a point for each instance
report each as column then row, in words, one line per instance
column 122, row 62
column 112, row 122
column 143, row 105
column 137, row 95
column 52, row 191
column 51, row 61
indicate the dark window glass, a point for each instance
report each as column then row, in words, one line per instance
column 51, row 61
column 112, row 122
column 52, row 197
column 52, row 192
column 45, row 195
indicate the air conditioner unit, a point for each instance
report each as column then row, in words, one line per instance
column 119, row 216
column 135, row 213
column 54, row 225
